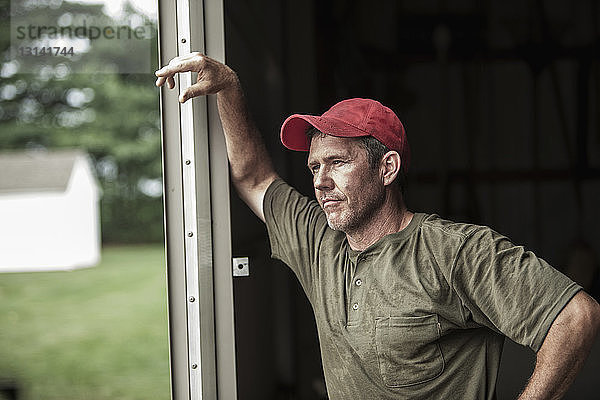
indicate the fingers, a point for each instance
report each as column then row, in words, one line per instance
column 197, row 89
column 169, row 79
column 191, row 62
column 213, row 76
column 185, row 63
column 160, row 81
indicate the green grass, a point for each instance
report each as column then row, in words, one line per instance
column 97, row 333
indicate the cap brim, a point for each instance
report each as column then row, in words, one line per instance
column 293, row 130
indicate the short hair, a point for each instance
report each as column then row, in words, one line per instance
column 375, row 152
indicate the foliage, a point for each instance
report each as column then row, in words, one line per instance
column 114, row 117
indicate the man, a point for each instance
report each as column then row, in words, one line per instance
column 408, row 306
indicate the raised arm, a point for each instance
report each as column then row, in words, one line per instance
column 564, row 350
column 251, row 168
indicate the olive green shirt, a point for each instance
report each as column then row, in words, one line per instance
column 421, row 313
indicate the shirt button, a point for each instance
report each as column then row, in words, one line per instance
column 358, row 282
column 355, row 306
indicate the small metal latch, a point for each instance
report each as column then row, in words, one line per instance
column 241, row 266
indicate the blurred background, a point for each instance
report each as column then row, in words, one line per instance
column 500, row 100
column 81, row 196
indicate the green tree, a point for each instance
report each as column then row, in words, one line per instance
column 113, row 116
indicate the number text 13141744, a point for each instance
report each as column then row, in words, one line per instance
column 46, row 51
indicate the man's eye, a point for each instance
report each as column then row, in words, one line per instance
column 337, row 162
column 314, row 169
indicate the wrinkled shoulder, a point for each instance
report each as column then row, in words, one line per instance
column 450, row 230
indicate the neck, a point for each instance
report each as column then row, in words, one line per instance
column 392, row 217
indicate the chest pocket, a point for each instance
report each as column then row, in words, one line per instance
column 408, row 350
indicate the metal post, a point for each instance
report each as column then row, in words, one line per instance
column 197, row 218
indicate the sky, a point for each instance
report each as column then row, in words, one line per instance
column 113, row 7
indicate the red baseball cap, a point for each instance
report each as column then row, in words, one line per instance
column 350, row 118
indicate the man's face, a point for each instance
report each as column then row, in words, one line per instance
column 346, row 187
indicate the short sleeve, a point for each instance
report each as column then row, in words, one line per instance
column 509, row 289
column 296, row 226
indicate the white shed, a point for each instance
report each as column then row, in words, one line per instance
column 49, row 211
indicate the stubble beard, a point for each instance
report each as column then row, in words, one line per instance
column 350, row 220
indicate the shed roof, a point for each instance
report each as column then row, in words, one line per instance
column 37, row 171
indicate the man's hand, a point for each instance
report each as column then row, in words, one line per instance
column 213, row 76
column 251, row 169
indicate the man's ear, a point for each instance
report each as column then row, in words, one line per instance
column 390, row 167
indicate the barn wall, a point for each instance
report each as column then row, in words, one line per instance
column 31, row 232
column 82, row 196
column 52, row 230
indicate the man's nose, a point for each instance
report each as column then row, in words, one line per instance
column 322, row 180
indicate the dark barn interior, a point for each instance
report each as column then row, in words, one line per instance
column 500, row 100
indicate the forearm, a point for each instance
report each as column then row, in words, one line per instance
column 564, row 350
column 250, row 165
column 248, row 157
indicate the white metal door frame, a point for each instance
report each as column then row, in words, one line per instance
column 197, row 217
